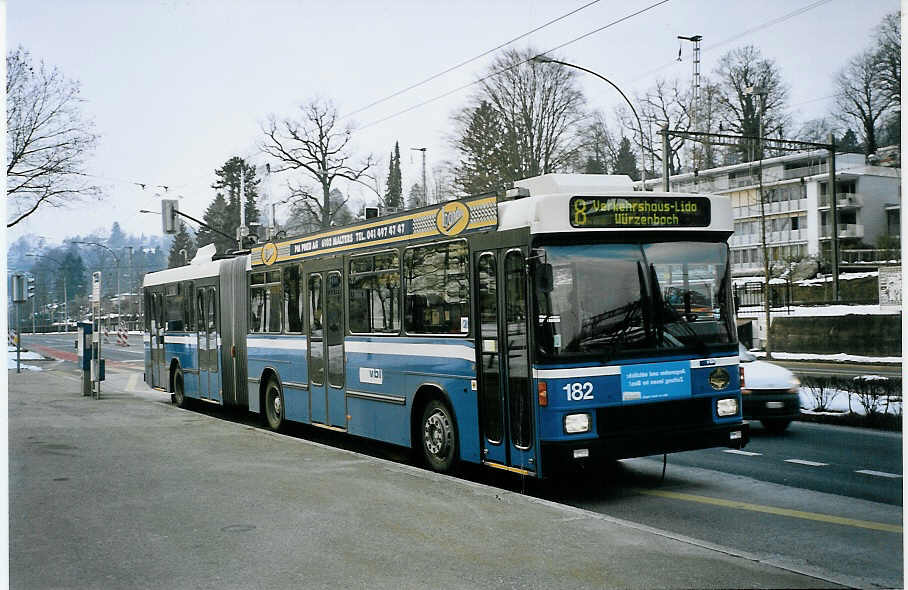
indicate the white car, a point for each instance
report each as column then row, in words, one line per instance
column 769, row 392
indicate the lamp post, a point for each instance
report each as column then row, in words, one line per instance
column 542, row 59
column 117, row 259
column 760, row 93
column 63, row 272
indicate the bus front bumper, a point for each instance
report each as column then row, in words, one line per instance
column 640, row 444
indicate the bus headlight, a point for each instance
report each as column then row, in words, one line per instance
column 577, row 423
column 727, row 406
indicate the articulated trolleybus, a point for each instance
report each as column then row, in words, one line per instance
column 574, row 319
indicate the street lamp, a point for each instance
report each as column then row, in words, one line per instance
column 542, row 59
column 117, row 259
column 63, row 272
column 760, row 93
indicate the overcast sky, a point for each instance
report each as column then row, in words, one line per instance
column 176, row 87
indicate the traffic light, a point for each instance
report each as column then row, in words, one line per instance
column 18, row 288
column 30, row 291
column 169, row 210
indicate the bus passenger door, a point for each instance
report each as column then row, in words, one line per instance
column 157, row 338
column 326, row 348
column 201, row 340
column 318, row 398
column 505, row 402
column 211, row 334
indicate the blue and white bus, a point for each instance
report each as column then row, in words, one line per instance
column 571, row 320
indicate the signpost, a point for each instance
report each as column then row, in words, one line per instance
column 96, row 333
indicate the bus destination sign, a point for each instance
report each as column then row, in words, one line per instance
column 640, row 212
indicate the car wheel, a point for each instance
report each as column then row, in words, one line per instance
column 274, row 405
column 438, row 436
column 775, row 425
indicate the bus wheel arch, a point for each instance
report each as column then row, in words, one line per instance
column 271, row 399
column 434, row 428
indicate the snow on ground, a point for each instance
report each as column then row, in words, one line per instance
column 817, row 311
column 25, row 355
column 839, row 403
column 840, row 357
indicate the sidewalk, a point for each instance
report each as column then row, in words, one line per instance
column 131, row 492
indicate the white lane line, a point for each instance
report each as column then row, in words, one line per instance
column 745, row 453
column 808, row 463
column 879, row 473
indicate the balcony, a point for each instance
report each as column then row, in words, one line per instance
column 805, row 171
column 846, row 230
column 843, row 200
column 867, row 255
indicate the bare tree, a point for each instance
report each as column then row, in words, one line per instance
column 664, row 104
column 889, row 58
column 316, row 147
column 739, row 70
column 859, row 99
column 598, row 148
column 536, row 109
column 48, row 138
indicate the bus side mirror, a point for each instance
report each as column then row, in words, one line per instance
column 544, row 279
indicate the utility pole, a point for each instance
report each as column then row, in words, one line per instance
column 835, row 219
column 760, row 94
column 694, row 91
column 425, row 189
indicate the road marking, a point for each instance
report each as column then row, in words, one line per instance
column 828, row 518
column 739, row 452
column 808, row 463
column 131, row 384
column 879, row 473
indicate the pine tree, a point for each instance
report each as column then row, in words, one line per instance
column 626, row 161
column 417, row 197
column 216, row 216
column 484, row 161
column 182, row 241
column 394, row 192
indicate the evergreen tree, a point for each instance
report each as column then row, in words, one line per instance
column 394, row 192
column 594, row 166
column 224, row 214
column 216, row 216
column 484, row 160
column 849, row 143
column 417, row 197
column 626, row 161
column 182, row 241
column 74, row 270
column 117, row 238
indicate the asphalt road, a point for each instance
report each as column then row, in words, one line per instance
column 824, row 500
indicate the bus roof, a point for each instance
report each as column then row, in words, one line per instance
column 202, row 266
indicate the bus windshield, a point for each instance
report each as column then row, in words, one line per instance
column 612, row 301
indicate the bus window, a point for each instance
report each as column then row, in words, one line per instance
column 316, row 332
column 293, row 300
column 437, row 283
column 521, row 407
column 265, row 302
column 375, row 293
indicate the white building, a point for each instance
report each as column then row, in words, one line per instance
column 797, row 205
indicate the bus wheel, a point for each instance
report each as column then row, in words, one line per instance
column 439, row 439
column 179, row 396
column 274, row 405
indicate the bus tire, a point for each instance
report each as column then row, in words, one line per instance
column 274, row 405
column 179, row 392
column 438, row 436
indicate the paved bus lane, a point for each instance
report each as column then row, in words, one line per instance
column 129, row 491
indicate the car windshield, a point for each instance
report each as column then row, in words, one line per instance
column 621, row 300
